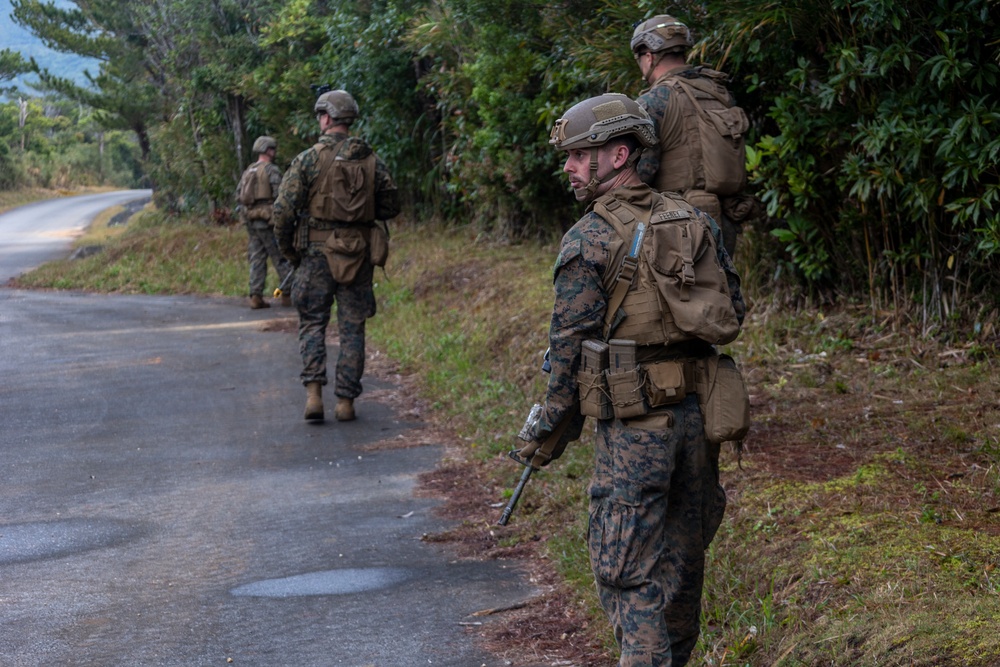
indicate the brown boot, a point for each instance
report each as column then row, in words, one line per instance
column 257, row 302
column 344, row 412
column 314, row 401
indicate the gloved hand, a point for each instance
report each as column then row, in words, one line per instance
column 293, row 257
column 541, row 453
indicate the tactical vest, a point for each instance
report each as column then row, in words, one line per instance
column 665, row 283
column 713, row 156
column 255, row 186
column 344, row 190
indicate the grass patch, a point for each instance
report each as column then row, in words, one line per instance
column 863, row 525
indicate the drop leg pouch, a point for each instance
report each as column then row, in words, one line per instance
column 725, row 404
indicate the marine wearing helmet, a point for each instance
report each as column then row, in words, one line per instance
column 262, row 144
column 596, row 121
column 661, row 34
column 339, row 105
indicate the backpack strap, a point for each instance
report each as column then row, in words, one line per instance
column 619, row 215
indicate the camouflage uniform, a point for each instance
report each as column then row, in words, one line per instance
column 667, row 115
column 655, row 498
column 314, row 290
column 257, row 219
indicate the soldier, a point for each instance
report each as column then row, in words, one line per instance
column 324, row 221
column 655, row 497
column 256, row 192
column 689, row 105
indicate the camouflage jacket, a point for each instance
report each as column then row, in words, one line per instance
column 292, row 204
column 581, row 302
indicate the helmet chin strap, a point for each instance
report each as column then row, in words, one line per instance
column 587, row 192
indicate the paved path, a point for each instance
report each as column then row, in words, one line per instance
column 164, row 503
column 36, row 233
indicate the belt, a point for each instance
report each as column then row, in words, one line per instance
column 321, row 235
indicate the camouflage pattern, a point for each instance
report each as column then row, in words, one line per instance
column 262, row 244
column 655, row 501
column 314, row 290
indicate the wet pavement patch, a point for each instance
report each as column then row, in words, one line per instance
column 25, row 542
column 328, row 582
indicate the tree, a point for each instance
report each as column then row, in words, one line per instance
column 881, row 141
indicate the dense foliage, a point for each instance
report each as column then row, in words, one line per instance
column 880, row 134
column 57, row 143
column 874, row 144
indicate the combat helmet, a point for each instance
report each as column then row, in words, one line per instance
column 595, row 121
column 262, row 144
column 662, row 33
column 339, row 105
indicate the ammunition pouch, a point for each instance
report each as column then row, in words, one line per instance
column 628, row 397
column 595, row 401
column 627, row 390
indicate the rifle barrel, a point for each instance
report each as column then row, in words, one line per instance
column 507, row 511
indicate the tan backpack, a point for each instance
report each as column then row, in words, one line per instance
column 669, row 285
column 255, row 185
column 718, row 156
column 345, row 189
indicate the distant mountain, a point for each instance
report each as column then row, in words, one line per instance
column 16, row 38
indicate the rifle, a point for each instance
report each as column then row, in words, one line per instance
column 546, row 449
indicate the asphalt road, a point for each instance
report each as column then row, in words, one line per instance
column 39, row 232
column 164, row 503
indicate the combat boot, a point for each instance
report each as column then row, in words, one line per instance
column 344, row 412
column 257, row 302
column 314, row 401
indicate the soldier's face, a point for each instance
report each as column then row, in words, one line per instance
column 645, row 62
column 577, row 168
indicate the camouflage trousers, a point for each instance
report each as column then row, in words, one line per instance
column 262, row 245
column 314, row 291
column 655, row 505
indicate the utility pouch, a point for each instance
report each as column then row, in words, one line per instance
column 706, row 202
column 665, row 383
column 725, row 404
column 345, row 253
column 378, row 244
column 593, row 386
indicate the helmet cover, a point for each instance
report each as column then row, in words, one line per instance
column 339, row 105
column 661, row 33
column 595, row 121
column 263, row 143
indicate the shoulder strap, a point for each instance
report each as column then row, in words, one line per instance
column 619, row 215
